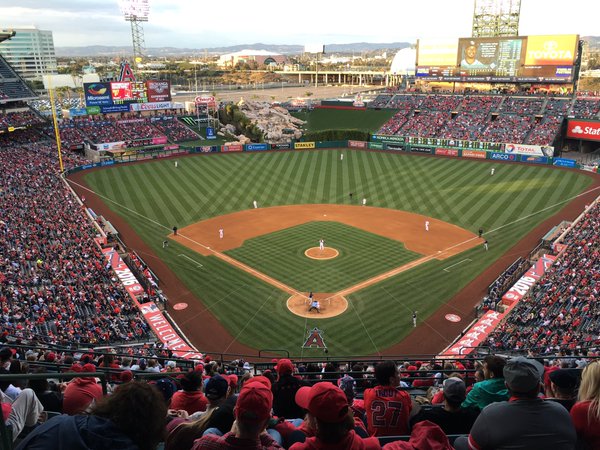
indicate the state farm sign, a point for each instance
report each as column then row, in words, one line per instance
column 584, row 129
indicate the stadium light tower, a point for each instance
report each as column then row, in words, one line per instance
column 493, row 18
column 136, row 12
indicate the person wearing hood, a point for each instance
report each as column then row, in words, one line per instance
column 492, row 388
column 81, row 392
column 132, row 418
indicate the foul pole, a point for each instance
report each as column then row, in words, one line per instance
column 55, row 121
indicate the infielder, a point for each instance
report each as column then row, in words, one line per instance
column 427, row 225
column 255, row 204
column 485, row 245
column 321, row 244
column 364, row 201
column 414, row 319
column 220, row 233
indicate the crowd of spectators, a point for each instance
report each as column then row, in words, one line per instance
column 465, row 126
column 586, row 108
column 174, row 130
column 54, row 281
column 480, row 103
column 16, row 119
column 507, row 128
column 544, row 131
column 425, row 123
column 562, row 310
column 139, row 128
column 446, row 103
column 522, row 106
column 100, row 130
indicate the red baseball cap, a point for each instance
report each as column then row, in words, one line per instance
column 324, row 401
column 259, row 379
column 284, row 366
column 254, row 403
column 88, row 368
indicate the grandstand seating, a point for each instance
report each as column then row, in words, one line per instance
column 585, row 108
column 174, row 129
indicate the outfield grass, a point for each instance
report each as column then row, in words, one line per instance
column 342, row 119
column 506, row 205
column 362, row 255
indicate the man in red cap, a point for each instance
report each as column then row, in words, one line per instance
column 330, row 416
column 252, row 413
column 284, row 391
column 80, row 392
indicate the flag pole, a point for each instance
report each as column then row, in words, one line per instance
column 55, row 121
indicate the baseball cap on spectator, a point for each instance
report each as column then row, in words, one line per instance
column 254, row 403
column 522, row 374
column 347, row 383
column 191, row 381
column 216, row 387
column 126, row 376
column 75, row 368
column 167, row 388
column 6, row 353
column 199, row 368
column 455, row 390
column 171, row 364
column 88, row 368
column 50, row 357
column 259, row 379
column 31, row 352
column 246, row 366
column 233, row 380
column 565, row 378
column 207, row 359
column 284, row 366
column 324, row 401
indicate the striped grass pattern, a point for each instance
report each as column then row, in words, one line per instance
column 362, row 255
column 155, row 196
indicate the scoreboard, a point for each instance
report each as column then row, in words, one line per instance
column 125, row 93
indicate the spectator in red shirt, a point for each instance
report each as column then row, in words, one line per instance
column 81, row 392
column 191, row 398
column 586, row 412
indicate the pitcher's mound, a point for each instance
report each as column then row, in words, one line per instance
column 317, row 253
column 331, row 305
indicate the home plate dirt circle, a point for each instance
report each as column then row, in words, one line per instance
column 331, row 305
column 317, row 253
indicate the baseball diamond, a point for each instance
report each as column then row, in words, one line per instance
column 229, row 307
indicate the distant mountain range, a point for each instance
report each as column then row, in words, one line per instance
column 103, row 50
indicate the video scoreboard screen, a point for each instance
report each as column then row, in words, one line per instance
column 498, row 59
column 126, row 92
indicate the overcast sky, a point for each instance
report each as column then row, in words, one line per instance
column 203, row 24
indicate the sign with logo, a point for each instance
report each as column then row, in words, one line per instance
column 357, row 144
column 74, row 112
column 150, row 106
column 524, row 284
column 97, row 94
column 112, row 146
column 446, row 151
column 523, row 149
column 232, row 148
column 534, row 159
column 564, row 162
column 210, row 133
column 114, row 109
column 474, row 154
column 256, row 147
column 158, row 91
column 93, row 110
column 584, row 129
column 123, row 272
column 376, row 145
column 399, row 139
column 281, row 146
column 502, row 156
column 208, row 100
column 452, row 318
column 159, row 140
column 417, row 149
column 304, row 145
column 314, row 339
column 558, row 50
column 475, row 335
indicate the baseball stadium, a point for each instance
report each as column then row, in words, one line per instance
column 430, row 244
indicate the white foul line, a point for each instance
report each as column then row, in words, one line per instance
column 446, row 269
column 191, row 259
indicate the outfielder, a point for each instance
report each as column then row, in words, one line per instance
column 414, row 319
column 492, row 171
column 255, row 204
column 221, row 233
column 364, row 201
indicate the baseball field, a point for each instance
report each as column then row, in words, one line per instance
column 249, row 289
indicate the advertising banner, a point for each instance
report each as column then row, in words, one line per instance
column 417, row 149
column 97, row 94
column 382, row 138
column 232, row 148
column 563, row 162
column 304, row 145
column 446, row 151
column 394, row 147
column 172, row 147
column 476, row 334
column 121, row 91
column 376, row 145
column 207, row 149
column 256, row 147
column 523, row 149
column 114, row 109
column 150, row 106
column 522, row 286
column 584, row 129
column 534, row 159
column 166, row 333
column 112, row 146
column 159, row 140
column 474, row 154
column 74, row 112
column 357, row 144
column 502, row 156
column 92, row 110
column 554, row 50
column 281, row 146
column 210, row 133
column 123, row 272
column 158, row 91
column 437, row 52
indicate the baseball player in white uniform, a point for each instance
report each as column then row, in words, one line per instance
column 364, row 201
column 427, row 225
column 221, row 233
column 492, row 171
column 255, row 204
column 321, row 244
column 342, row 157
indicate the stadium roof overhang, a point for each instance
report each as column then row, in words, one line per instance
column 6, row 34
